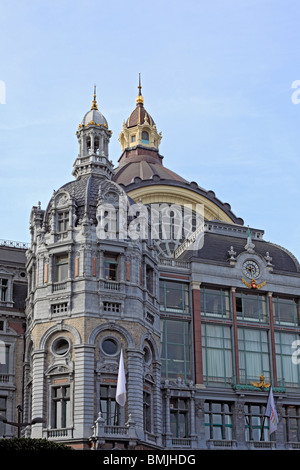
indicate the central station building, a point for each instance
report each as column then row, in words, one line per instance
column 206, row 319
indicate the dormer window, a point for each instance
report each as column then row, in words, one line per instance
column 133, row 138
column 145, row 137
column 63, row 221
column 3, row 289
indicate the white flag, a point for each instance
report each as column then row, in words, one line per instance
column 121, row 385
column 272, row 413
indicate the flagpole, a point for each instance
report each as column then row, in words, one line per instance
column 262, row 428
column 264, row 418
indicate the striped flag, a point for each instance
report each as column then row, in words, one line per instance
column 121, row 385
column 272, row 413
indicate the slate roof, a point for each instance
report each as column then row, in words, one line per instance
column 215, row 248
column 85, row 192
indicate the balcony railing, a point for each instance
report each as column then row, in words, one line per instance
column 261, row 445
column 116, row 430
column 182, row 442
column 111, row 285
column 221, row 444
column 62, row 433
column 14, row 244
column 6, row 378
column 60, row 286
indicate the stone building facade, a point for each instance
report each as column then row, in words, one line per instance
column 139, row 260
column 13, row 291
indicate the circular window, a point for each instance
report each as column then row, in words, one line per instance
column 61, row 346
column 147, row 355
column 110, row 346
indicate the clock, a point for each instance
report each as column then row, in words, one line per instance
column 251, row 269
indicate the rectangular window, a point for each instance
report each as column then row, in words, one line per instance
column 291, row 420
column 286, row 311
column 3, row 289
column 251, row 307
column 174, row 297
column 3, row 415
column 218, row 421
column 59, row 308
column 63, row 221
column 149, row 279
column 256, row 424
column 111, row 268
column 4, row 358
column 288, row 367
column 111, row 307
column 179, row 417
column 62, row 268
column 108, row 406
column 61, row 407
column 217, row 354
column 215, row 302
column 254, row 357
column 147, row 411
column 176, row 349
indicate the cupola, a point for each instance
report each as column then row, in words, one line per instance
column 93, row 137
column 139, row 129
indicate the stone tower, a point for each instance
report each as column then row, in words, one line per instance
column 93, row 291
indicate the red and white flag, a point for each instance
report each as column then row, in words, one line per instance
column 272, row 413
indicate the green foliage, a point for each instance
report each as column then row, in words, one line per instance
column 31, row 444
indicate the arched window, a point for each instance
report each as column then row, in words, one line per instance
column 88, row 145
column 145, row 137
column 96, row 146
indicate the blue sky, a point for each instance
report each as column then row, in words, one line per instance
column 217, row 79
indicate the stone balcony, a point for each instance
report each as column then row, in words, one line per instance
column 103, row 433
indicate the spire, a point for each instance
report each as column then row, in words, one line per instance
column 139, row 98
column 94, row 105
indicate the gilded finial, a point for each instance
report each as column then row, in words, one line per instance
column 139, row 98
column 94, row 105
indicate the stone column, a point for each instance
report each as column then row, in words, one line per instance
column 238, row 422
column 38, row 393
column 157, row 401
column 168, row 434
column 84, row 390
column 193, row 434
column 200, row 423
column 135, row 388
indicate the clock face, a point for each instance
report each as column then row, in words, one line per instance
column 251, row 269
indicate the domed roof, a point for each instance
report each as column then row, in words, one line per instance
column 138, row 116
column 142, row 163
column 93, row 116
column 86, row 192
